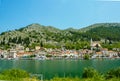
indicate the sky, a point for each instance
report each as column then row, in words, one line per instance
column 61, row 14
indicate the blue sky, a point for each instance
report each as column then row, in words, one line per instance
column 62, row 14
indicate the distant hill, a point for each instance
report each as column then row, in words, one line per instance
column 48, row 36
column 100, row 25
column 103, row 31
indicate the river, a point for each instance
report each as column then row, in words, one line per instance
column 61, row 68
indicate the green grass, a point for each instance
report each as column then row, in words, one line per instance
column 83, row 79
column 90, row 74
column 16, row 75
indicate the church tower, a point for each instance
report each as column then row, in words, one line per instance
column 91, row 44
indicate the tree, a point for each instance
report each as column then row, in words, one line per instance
column 14, row 40
column 113, row 73
column 26, row 41
column 19, row 41
column 90, row 73
column 86, row 57
column 41, row 44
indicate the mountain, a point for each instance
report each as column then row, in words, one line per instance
column 103, row 30
column 51, row 37
column 98, row 25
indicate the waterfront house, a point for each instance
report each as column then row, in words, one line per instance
column 116, row 49
column 1, row 54
column 27, row 49
column 99, row 54
column 119, row 54
column 40, row 53
column 37, row 47
column 19, row 54
column 12, row 53
column 19, row 48
column 5, row 53
column 105, row 52
column 113, row 54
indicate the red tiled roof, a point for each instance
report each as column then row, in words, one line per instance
column 27, row 53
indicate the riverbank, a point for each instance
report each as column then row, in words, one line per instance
column 67, row 79
column 79, row 79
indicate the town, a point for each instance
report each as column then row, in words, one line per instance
column 41, row 53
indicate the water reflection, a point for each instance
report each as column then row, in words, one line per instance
column 61, row 68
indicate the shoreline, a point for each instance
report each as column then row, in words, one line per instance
column 56, row 59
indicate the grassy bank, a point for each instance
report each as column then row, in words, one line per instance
column 81, row 79
column 16, row 75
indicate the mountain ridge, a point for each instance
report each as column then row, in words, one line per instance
column 36, row 34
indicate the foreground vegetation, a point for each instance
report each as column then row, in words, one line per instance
column 79, row 79
column 16, row 75
column 89, row 74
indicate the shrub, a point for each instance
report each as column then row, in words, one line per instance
column 86, row 57
column 90, row 73
column 15, row 73
column 114, row 73
column 48, row 55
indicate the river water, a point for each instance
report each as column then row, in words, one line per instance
column 61, row 68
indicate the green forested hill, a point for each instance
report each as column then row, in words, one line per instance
column 110, row 31
column 51, row 37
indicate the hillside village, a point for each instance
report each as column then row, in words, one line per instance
column 41, row 53
column 36, row 41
